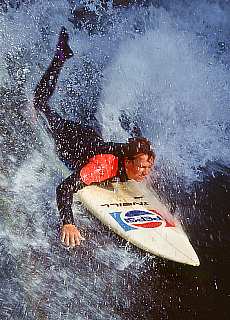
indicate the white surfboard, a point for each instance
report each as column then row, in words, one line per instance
column 137, row 215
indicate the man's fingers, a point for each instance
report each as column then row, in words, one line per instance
column 71, row 236
column 63, row 236
column 77, row 240
column 67, row 239
column 79, row 237
column 72, row 240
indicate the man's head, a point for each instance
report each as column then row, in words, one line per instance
column 139, row 158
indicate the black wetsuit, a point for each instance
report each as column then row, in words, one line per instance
column 75, row 143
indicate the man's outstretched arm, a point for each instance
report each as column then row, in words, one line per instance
column 70, row 235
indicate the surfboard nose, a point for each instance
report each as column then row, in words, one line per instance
column 168, row 244
column 196, row 263
column 189, row 257
column 195, row 260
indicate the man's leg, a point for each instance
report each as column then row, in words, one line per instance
column 47, row 85
column 71, row 139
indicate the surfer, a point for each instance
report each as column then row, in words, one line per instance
column 83, row 150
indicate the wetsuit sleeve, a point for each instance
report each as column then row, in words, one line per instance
column 64, row 194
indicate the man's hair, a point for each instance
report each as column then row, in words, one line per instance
column 139, row 145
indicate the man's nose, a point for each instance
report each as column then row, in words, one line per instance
column 145, row 172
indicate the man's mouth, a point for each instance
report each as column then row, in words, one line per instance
column 141, row 178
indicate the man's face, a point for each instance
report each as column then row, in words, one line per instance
column 138, row 168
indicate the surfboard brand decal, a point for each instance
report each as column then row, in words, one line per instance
column 135, row 219
column 124, row 225
column 126, row 204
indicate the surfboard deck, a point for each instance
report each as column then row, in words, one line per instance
column 137, row 215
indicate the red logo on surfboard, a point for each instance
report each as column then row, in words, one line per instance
column 144, row 219
column 135, row 219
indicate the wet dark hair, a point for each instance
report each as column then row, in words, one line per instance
column 139, row 145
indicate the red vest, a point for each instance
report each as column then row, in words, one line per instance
column 99, row 168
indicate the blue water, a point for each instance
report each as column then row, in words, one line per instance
column 167, row 68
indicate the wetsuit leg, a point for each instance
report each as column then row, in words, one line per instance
column 71, row 139
column 47, row 85
column 45, row 90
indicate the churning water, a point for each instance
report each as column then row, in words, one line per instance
column 165, row 67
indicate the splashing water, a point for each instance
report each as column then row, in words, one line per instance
column 167, row 68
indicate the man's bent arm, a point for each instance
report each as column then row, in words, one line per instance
column 64, row 194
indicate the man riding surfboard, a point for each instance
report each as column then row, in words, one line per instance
column 83, row 150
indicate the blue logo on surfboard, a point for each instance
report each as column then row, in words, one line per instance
column 135, row 219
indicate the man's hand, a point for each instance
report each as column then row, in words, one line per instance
column 70, row 235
